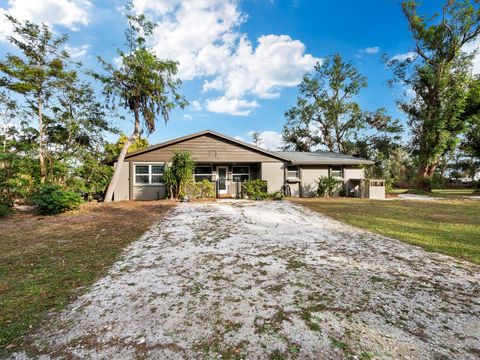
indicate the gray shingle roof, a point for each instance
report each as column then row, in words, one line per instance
column 297, row 158
column 322, row 158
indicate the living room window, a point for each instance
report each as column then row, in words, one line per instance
column 203, row 173
column 149, row 174
column 240, row 173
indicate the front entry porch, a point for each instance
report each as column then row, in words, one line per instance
column 228, row 178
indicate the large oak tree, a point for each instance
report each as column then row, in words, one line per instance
column 327, row 117
column 439, row 76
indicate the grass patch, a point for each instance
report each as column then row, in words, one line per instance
column 448, row 193
column 337, row 344
column 46, row 262
column 450, row 227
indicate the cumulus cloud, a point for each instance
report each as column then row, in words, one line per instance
column 225, row 105
column 277, row 61
column 371, row 50
column 204, row 37
column 67, row 13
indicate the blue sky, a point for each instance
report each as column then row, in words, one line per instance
column 240, row 60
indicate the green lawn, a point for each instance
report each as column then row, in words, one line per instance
column 455, row 193
column 45, row 262
column 449, row 227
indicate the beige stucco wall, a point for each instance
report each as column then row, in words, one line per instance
column 273, row 174
column 353, row 173
column 121, row 190
column 150, row 192
column 376, row 192
column 309, row 174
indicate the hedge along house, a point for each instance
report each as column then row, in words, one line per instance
column 228, row 162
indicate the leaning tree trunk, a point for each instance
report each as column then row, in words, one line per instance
column 121, row 158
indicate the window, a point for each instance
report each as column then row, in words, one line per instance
column 148, row 174
column 241, row 173
column 336, row 171
column 203, row 173
column 292, row 172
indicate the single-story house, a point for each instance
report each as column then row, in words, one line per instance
column 228, row 161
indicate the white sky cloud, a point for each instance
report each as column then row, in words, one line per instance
column 67, row 13
column 471, row 47
column 271, row 140
column 405, row 56
column 224, row 105
column 196, row 106
column 77, row 51
column 277, row 61
column 371, row 50
column 204, row 37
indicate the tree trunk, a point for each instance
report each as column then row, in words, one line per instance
column 41, row 155
column 425, row 173
column 121, row 158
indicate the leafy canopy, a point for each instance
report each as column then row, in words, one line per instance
column 142, row 83
column 326, row 115
column 440, row 77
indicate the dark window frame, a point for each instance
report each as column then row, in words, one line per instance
column 339, row 171
column 236, row 175
column 296, row 171
column 202, row 176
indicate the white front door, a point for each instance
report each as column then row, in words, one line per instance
column 222, row 172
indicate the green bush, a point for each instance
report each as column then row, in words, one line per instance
column 326, row 186
column 277, row 195
column 200, row 189
column 255, row 189
column 178, row 174
column 476, row 186
column 52, row 199
column 4, row 210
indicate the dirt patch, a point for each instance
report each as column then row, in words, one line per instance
column 270, row 280
column 46, row 261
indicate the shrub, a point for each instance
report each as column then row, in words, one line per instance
column 277, row 195
column 476, row 186
column 4, row 210
column 326, row 186
column 200, row 189
column 255, row 189
column 52, row 199
column 179, row 173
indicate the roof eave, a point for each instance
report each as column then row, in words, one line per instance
column 334, row 162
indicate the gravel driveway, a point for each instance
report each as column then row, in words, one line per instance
column 270, row 280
